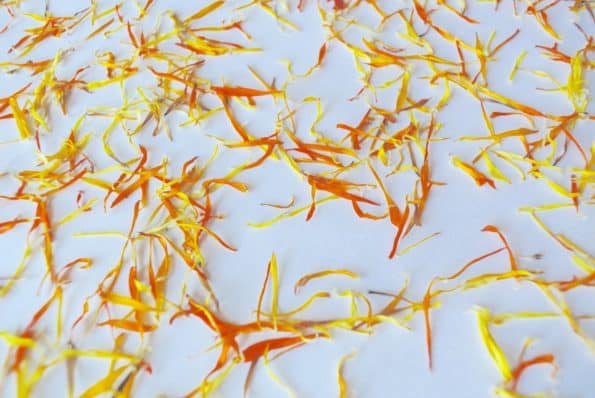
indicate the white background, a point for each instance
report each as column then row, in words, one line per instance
column 392, row 361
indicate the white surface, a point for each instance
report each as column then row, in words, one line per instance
column 392, row 361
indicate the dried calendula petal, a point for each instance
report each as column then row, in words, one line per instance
column 479, row 178
column 20, row 119
column 498, row 356
column 321, row 274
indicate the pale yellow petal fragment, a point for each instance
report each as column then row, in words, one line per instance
column 484, row 319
